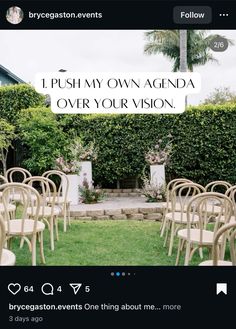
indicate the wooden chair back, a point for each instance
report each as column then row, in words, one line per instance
column 63, row 184
column 47, row 190
column 199, row 206
column 228, row 230
column 181, row 195
column 30, row 198
column 17, row 174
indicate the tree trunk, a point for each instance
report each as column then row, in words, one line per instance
column 4, row 162
column 118, row 184
column 183, row 50
column 183, row 54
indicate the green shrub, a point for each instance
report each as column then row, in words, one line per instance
column 7, row 135
column 14, row 98
column 90, row 194
column 43, row 138
column 204, row 142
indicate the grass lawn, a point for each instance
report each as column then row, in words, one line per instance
column 107, row 242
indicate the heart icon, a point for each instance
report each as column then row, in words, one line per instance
column 14, row 288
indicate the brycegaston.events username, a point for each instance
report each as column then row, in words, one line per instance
column 120, row 15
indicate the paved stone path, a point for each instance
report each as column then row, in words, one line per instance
column 119, row 208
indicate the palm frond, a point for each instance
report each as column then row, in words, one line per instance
column 167, row 43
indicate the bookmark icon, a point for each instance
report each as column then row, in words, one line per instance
column 221, row 288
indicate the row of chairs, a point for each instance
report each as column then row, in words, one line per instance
column 190, row 209
column 41, row 201
column 195, row 214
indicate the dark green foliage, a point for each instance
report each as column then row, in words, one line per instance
column 14, row 98
column 121, row 140
column 43, row 138
column 204, row 142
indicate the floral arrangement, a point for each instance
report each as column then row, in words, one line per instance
column 160, row 153
column 153, row 192
column 75, row 152
column 90, row 194
column 68, row 167
column 82, row 152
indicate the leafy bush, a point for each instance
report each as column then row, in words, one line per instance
column 90, row 194
column 44, row 139
column 7, row 135
column 14, row 98
column 220, row 95
column 203, row 142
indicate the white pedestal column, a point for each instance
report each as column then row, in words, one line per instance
column 157, row 175
column 85, row 171
column 73, row 190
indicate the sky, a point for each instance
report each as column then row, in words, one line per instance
column 26, row 52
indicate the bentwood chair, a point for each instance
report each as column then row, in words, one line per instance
column 47, row 213
column 16, row 175
column 167, row 205
column 219, row 186
column 7, row 257
column 177, row 217
column 24, row 227
column 203, row 234
column 231, row 193
column 61, row 199
column 11, row 207
column 230, row 231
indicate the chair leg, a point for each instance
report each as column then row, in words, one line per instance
column 192, row 252
column 65, row 217
column 163, row 227
column 52, row 233
column 201, row 253
column 172, row 235
column 42, row 249
column 178, row 252
column 222, row 248
column 218, row 252
column 21, row 243
column 162, row 221
column 56, row 228
column 187, row 253
column 9, row 240
column 33, row 244
column 68, row 213
column 167, row 234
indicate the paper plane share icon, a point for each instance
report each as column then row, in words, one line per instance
column 76, row 287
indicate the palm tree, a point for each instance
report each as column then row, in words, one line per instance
column 183, row 53
column 170, row 43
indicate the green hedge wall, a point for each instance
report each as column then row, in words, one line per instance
column 14, row 98
column 204, row 142
column 204, row 138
